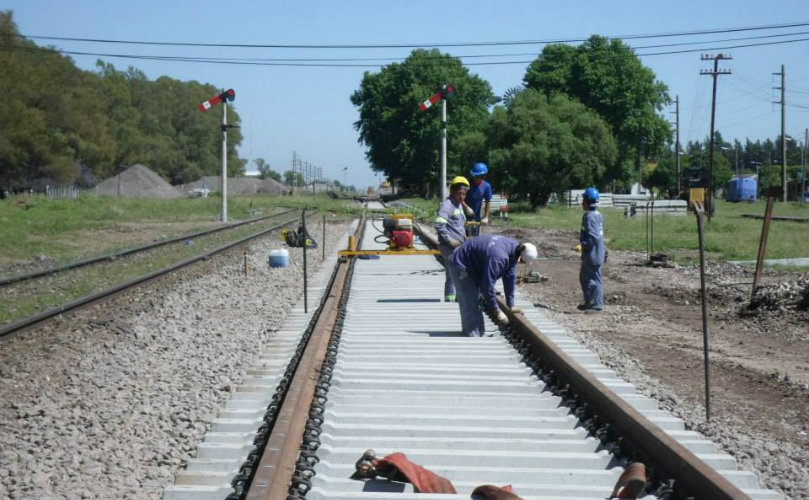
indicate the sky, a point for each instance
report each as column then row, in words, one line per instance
column 308, row 109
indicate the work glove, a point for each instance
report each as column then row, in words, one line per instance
column 484, row 221
column 516, row 310
column 501, row 317
column 577, row 248
column 454, row 243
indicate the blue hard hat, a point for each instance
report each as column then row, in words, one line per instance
column 479, row 169
column 592, row 195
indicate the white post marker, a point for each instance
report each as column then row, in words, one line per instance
column 441, row 95
column 224, row 97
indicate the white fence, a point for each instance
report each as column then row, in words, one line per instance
column 64, row 191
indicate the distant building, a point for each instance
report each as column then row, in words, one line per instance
column 252, row 173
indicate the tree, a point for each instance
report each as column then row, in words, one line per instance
column 403, row 141
column 541, row 145
column 292, row 178
column 265, row 171
column 608, row 77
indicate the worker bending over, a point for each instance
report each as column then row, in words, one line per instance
column 475, row 267
column 592, row 253
column 449, row 224
column 479, row 197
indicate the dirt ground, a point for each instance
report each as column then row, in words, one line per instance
column 759, row 357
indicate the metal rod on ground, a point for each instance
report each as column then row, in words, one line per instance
column 699, row 212
column 323, row 257
column 305, row 244
column 762, row 244
column 245, row 262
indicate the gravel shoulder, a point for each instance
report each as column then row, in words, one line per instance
column 651, row 333
column 110, row 402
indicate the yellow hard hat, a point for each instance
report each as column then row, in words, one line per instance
column 459, row 180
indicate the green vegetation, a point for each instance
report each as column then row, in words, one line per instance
column 606, row 76
column 544, row 143
column 402, row 140
column 62, row 124
column 728, row 236
column 63, row 229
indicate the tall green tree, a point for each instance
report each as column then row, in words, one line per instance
column 59, row 123
column 542, row 145
column 607, row 76
column 403, row 142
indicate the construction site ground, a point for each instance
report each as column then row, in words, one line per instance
column 651, row 332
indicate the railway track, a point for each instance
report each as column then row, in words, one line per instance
column 108, row 293
column 8, row 280
column 381, row 365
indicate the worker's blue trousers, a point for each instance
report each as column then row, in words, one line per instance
column 591, row 285
column 467, row 294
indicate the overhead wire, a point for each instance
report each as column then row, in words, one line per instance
column 420, row 45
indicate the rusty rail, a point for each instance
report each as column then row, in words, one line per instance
column 88, row 300
column 693, row 477
column 273, row 476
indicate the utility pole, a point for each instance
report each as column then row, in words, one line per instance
column 716, row 72
column 804, row 162
column 783, row 103
column 677, row 143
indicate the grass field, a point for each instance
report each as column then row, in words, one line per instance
column 729, row 236
column 61, row 230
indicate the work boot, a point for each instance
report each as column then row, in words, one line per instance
column 631, row 483
column 450, row 298
column 592, row 310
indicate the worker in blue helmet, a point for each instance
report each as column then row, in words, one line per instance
column 479, row 196
column 591, row 246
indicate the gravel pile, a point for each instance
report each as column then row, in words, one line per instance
column 236, row 185
column 782, row 296
column 138, row 181
column 111, row 402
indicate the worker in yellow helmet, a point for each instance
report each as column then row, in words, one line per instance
column 450, row 225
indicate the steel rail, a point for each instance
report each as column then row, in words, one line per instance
column 108, row 293
column 128, row 251
column 273, row 475
column 693, row 477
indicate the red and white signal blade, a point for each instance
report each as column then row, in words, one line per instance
column 205, row 106
column 429, row 102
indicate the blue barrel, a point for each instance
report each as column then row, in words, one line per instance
column 279, row 258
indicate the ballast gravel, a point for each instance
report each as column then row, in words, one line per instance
column 110, row 402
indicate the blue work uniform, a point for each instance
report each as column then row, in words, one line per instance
column 592, row 257
column 475, row 197
column 476, row 266
column 449, row 224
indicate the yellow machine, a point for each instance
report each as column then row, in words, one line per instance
column 397, row 230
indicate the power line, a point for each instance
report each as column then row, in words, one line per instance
column 232, row 61
column 417, row 45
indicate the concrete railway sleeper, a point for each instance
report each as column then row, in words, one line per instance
column 520, row 406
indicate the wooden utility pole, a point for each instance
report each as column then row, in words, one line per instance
column 709, row 205
column 783, row 103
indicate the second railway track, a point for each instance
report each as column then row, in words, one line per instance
column 399, row 377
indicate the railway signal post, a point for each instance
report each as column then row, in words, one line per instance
column 442, row 96
column 224, row 97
